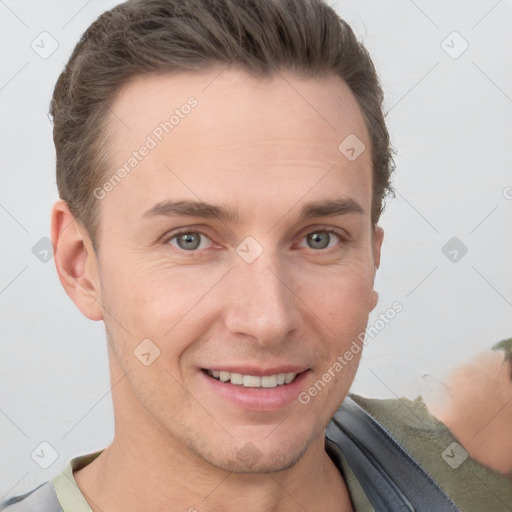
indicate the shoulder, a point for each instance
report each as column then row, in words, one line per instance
column 55, row 495
column 41, row 499
column 432, row 444
column 409, row 421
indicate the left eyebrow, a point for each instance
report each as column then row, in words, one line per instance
column 330, row 208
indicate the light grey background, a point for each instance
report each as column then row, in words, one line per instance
column 451, row 122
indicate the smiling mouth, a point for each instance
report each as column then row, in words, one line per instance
column 252, row 381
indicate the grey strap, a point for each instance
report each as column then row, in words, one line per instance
column 40, row 499
column 390, row 477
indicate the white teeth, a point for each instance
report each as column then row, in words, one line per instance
column 236, row 378
column 289, row 377
column 253, row 381
column 269, row 381
column 250, row 381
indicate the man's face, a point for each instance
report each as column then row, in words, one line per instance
column 270, row 292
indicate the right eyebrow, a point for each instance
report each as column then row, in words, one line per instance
column 192, row 209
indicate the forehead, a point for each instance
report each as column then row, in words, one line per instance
column 217, row 133
column 226, row 96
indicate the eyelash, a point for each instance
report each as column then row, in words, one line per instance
column 339, row 232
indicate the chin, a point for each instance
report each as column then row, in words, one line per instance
column 262, row 463
column 259, row 456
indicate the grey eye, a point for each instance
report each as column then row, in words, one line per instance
column 189, row 241
column 319, row 240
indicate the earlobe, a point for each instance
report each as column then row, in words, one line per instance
column 75, row 261
column 374, row 299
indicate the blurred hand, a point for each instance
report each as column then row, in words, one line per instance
column 476, row 405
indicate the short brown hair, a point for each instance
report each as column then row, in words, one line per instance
column 261, row 37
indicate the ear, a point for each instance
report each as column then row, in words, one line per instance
column 378, row 237
column 76, row 261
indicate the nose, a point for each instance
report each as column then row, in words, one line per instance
column 261, row 302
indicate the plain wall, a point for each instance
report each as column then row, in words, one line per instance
column 450, row 117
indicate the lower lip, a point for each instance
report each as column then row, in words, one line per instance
column 257, row 399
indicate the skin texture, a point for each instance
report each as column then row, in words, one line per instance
column 476, row 405
column 264, row 148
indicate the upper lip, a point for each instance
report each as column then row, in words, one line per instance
column 257, row 371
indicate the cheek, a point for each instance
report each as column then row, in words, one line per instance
column 341, row 305
column 157, row 301
column 341, row 297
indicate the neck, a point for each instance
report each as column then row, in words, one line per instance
column 145, row 468
column 112, row 483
